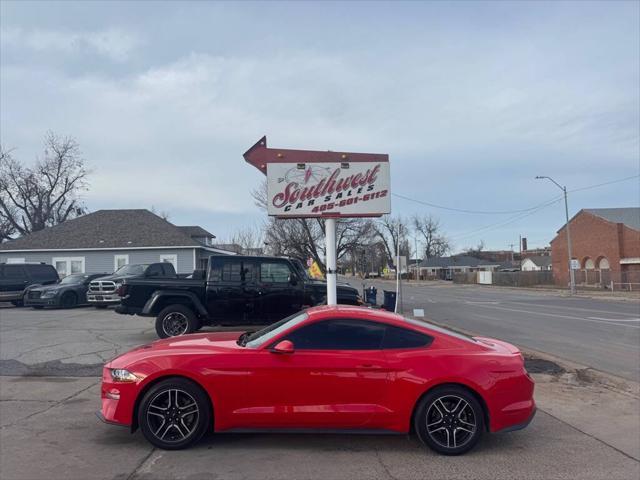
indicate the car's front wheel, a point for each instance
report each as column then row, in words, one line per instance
column 174, row 414
column 449, row 420
column 69, row 300
column 176, row 320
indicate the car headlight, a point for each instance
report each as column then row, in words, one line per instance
column 49, row 293
column 122, row 375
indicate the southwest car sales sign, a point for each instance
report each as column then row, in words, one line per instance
column 345, row 189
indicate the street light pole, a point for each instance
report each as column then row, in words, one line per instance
column 572, row 278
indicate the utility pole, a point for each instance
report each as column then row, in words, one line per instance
column 572, row 277
column 415, row 239
column 520, row 247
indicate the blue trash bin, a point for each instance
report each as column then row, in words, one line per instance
column 389, row 300
column 371, row 296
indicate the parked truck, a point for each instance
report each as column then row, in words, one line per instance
column 235, row 290
column 103, row 291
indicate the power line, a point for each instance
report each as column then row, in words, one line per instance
column 506, row 222
column 462, row 210
column 603, row 184
column 506, row 212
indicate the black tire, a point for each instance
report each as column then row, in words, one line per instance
column 449, row 420
column 176, row 320
column 101, row 307
column 69, row 300
column 172, row 425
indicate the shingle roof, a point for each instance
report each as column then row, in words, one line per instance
column 540, row 260
column 105, row 229
column 195, row 231
column 629, row 216
column 455, row 261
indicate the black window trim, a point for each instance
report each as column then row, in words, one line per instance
column 380, row 348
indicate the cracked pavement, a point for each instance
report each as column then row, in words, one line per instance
column 49, row 390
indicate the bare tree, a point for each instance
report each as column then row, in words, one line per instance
column 48, row 193
column 435, row 243
column 165, row 215
column 248, row 238
column 475, row 251
column 390, row 231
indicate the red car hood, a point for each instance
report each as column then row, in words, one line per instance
column 218, row 342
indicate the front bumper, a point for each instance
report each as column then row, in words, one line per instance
column 103, row 299
column 118, row 400
column 41, row 302
column 109, row 422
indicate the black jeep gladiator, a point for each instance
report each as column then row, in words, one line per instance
column 236, row 290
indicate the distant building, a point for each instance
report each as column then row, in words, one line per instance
column 606, row 244
column 105, row 240
column 536, row 263
column 445, row 267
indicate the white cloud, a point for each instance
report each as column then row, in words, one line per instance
column 113, row 43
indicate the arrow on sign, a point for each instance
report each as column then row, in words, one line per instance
column 259, row 156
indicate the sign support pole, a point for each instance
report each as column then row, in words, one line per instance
column 330, row 239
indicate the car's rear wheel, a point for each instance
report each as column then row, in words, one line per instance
column 174, row 414
column 176, row 320
column 449, row 420
column 69, row 300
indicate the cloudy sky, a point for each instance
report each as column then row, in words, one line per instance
column 471, row 100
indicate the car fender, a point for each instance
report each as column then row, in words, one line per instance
column 161, row 294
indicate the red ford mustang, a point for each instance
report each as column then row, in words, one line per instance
column 323, row 369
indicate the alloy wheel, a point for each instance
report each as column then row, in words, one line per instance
column 173, row 415
column 450, row 421
column 175, row 324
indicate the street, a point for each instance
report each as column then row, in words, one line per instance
column 599, row 333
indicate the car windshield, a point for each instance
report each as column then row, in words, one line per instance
column 131, row 270
column 256, row 339
column 71, row 279
column 300, row 269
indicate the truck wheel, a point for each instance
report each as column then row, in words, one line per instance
column 176, row 320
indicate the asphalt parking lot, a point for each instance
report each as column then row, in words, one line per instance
column 49, row 390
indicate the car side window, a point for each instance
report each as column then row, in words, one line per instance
column 43, row 272
column 154, row 271
column 397, row 337
column 339, row 334
column 14, row 272
column 274, row 272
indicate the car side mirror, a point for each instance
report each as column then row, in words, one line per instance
column 285, row 346
column 293, row 280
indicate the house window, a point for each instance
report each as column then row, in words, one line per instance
column 68, row 265
column 120, row 261
column 172, row 258
column 15, row 260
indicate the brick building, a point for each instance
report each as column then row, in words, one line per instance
column 606, row 243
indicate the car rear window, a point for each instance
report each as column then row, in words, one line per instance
column 439, row 329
